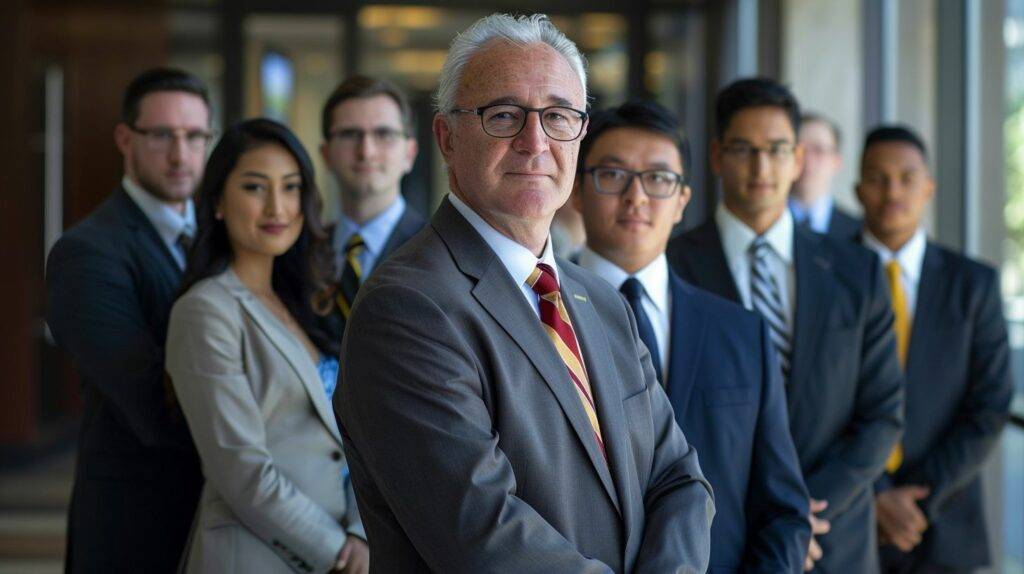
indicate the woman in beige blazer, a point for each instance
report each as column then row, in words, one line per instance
column 249, row 372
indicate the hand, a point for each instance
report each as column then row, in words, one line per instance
column 900, row 521
column 354, row 557
column 818, row 526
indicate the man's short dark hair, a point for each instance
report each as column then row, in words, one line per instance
column 639, row 114
column 895, row 133
column 833, row 127
column 160, row 80
column 754, row 93
column 367, row 87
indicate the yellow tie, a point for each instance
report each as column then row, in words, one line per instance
column 901, row 326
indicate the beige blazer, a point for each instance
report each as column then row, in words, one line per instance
column 274, row 499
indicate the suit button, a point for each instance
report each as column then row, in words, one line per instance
column 336, row 455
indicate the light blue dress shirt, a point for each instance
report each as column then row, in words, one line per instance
column 169, row 223
column 818, row 215
column 375, row 234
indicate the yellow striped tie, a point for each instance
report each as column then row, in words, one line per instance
column 901, row 327
column 558, row 326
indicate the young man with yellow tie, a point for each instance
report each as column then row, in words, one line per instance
column 952, row 345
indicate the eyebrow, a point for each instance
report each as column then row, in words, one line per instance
column 609, row 158
column 774, row 141
column 558, row 101
column 264, row 176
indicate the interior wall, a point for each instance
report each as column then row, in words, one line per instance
column 821, row 62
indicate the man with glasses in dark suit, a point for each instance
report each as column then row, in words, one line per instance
column 111, row 280
column 369, row 146
column 827, row 310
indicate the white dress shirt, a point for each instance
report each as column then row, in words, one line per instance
column 169, row 222
column 657, row 298
column 736, row 241
column 518, row 260
column 375, row 234
column 910, row 257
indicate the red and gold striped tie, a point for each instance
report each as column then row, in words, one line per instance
column 555, row 318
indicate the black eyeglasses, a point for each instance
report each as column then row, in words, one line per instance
column 507, row 120
column 159, row 140
column 384, row 137
column 656, row 183
column 777, row 152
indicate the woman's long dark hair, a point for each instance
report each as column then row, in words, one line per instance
column 302, row 275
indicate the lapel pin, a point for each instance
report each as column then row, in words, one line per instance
column 579, row 297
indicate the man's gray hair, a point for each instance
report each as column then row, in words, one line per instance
column 519, row 30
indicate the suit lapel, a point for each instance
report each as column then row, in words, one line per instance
column 606, row 390
column 814, row 287
column 148, row 240
column 687, row 325
column 294, row 353
column 503, row 300
column 407, row 226
column 930, row 297
column 705, row 261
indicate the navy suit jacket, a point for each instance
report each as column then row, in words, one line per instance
column 842, row 225
column 726, row 388
column 958, row 395
column 110, row 282
column 845, row 390
column 332, row 326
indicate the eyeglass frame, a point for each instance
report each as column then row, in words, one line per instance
column 776, row 152
column 376, row 134
column 149, row 133
column 479, row 111
column 680, row 180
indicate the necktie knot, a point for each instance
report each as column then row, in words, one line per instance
column 892, row 269
column 354, row 243
column 184, row 241
column 542, row 280
column 759, row 247
column 632, row 289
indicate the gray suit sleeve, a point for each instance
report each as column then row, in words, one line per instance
column 857, row 459
column 678, row 502
column 411, row 403
column 205, row 361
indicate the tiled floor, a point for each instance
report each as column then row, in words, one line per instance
column 33, row 511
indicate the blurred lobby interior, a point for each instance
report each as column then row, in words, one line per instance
column 951, row 69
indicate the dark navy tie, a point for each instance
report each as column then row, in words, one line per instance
column 634, row 292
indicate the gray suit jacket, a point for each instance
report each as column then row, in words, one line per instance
column 274, row 499
column 470, row 450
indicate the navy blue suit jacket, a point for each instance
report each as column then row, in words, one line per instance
column 332, row 326
column 726, row 388
column 842, row 225
column 110, row 283
column 958, row 396
column 845, row 390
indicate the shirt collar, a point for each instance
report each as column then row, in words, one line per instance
column 168, row 222
column 654, row 276
column 737, row 237
column 375, row 232
column 818, row 212
column 910, row 256
column 518, row 260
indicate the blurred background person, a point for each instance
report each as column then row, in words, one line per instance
column 111, row 281
column 253, row 374
column 714, row 358
column 567, row 232
column 369, row 145
column 827, row 310
column 953, row 348
column 811, row 199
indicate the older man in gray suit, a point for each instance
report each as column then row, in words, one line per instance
column 499, row 411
